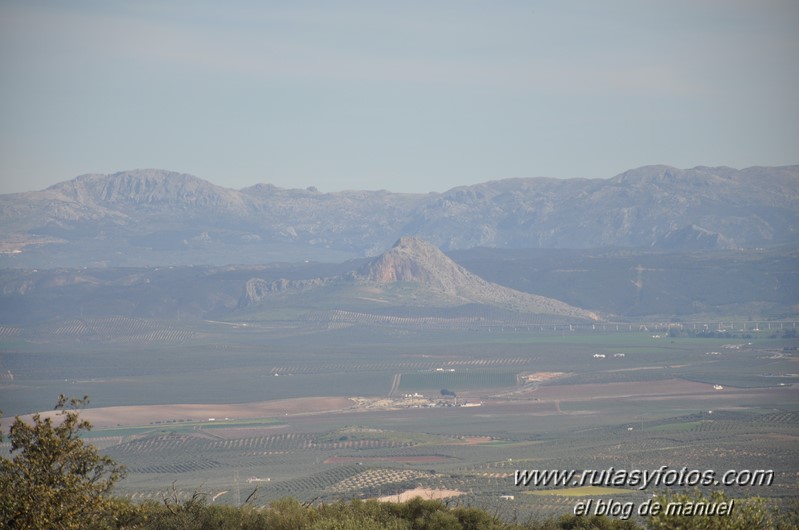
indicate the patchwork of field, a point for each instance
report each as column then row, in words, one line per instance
column 360, row 413
column 390, row 452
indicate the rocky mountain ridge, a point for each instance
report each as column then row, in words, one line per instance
column 155, row 217
column 419, row 265
column 753, row 284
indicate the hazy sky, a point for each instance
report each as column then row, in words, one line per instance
column 406, row 96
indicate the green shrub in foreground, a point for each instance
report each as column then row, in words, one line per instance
column 54, row 480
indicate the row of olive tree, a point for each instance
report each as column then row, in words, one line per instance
column 53, row 480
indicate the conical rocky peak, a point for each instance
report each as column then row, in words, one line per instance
column 415, row 260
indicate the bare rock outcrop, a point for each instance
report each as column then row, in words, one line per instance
column 421, row 265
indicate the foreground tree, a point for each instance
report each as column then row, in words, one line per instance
column 747, row 514
column 52, row 478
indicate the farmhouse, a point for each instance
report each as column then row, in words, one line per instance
column 599, row 356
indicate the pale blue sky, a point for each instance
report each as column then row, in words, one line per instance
column 407, row 96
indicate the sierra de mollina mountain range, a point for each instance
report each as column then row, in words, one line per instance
column 157, row 217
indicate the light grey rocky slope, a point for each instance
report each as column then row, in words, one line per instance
column 155, row 217
column 417, row 261
column 425, row 276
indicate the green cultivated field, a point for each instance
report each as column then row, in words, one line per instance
column 648, row 408
column 475, row 379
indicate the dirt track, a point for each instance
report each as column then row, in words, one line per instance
column 424, row 493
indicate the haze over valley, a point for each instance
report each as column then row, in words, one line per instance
column 300, row 255
column 362, row 343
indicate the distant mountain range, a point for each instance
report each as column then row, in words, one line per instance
column 413, row 282
column 155, row 217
